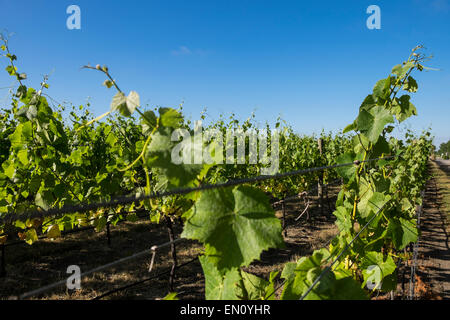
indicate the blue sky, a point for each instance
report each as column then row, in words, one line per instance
column 312, row 62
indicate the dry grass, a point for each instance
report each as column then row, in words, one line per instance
column 442, row 176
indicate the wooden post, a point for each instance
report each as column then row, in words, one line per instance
column 320, row 182
column 108, row 230
column 328, row 199
column 173, row 252
column 108, row 233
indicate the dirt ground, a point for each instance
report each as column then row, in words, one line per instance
column 45, row 262
column 31, row 267
column 432, row 278
column 434, row 250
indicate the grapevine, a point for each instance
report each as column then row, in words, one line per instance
column 48, row 163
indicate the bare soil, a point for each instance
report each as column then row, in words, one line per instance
column 434, row 250
column 432, row 278
column 46, row 262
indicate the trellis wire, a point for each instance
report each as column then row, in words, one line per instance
column 3, row 246
column 122, row 200
column 72, row 231
column 412, row 279
column 298, row 195
column 143, row 280
column 329, row 268
column 102, row 267
column 179, row 191
column 153, row 249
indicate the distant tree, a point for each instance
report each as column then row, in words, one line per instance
column 444, row 150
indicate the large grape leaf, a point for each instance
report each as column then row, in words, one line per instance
column 257, row 288
column 368, row 103
column 410, row 85
column 335, row 285
column 371, row 202
column 219, row 285
column 346, row 288
column 403, row 232
column 348, row 172
column 343, row 220
column 376, row 267
column 371, row 123
column 125, row 105
column 170, row 117
column 380, row 148
column 159, row 158
column 381, row 89
column 402, row 108
column 235, row 225
column 296, row 277
column 400, row 70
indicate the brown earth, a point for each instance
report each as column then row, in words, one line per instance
column 432, row 278
column 45, row 262
column 434, row 250
column 31, row 267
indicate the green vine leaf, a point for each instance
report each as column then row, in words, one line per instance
column 400, row 70
column 334, row 285
column 349, row 128
column 371, row 123
column 402, row 108
column 235, row 225
column 31, row 236
column 133, row 101
column 371, row 202
column 403, row 232
column 380, row 148
column 347, row 172
column 169, row 174
column 410, row 85
column 381, row 90
column 219, row 285
column 119, row 102
column 376, row 267
column 343, row 220
column 148, row 122
column 125, row 105
column 170, row 117
column 296, row 274
column 255, row 287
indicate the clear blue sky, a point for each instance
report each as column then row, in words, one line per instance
column 313, row 62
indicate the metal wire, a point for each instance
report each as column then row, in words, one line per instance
column 122, row 200
column 180, row 191
column 142, row 281
column 105, row 266
column 298, row 195
column 412, row 279
column 328, row 268
column 76, row 230
column 152, row 250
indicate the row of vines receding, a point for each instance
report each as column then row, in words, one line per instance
column 52, row 157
